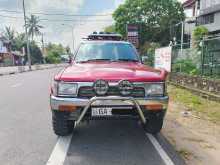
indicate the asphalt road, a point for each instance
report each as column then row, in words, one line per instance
column 26, row 136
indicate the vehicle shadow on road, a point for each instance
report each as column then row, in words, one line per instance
column 111, row 142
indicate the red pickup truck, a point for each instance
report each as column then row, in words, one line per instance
column 107, row 80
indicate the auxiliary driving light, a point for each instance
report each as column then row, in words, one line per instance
column 101, row 87
column 125, row 87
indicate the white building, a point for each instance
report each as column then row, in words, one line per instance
column 202, row 12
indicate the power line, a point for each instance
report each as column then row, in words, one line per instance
column 60, row 20
column 58, row 14
column 7, row 16
column 69, row 20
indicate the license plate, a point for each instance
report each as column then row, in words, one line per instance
column 101, row 111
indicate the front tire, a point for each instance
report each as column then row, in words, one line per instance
column 61, row 125
column 154, row 125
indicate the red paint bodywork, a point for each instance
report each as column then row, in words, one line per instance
column 111, row 71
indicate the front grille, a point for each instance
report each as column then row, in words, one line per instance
column 88, row 92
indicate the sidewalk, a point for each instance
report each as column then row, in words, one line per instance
column 20, row 69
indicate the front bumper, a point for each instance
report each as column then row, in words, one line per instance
column 55, row 102
column 138, row 103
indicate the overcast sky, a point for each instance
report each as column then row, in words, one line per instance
column 57, row 30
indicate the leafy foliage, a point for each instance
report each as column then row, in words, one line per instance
column 148, row 49
column 153, row 17
column 185, row 66
column 36, row 54
column 9, row 33
column 200, row 32
column 54, row 53
column 110, row 29
column 19, row 42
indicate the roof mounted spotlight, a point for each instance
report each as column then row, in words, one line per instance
column 105, row 36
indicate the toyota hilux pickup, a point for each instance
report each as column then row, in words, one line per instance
column 107, row 80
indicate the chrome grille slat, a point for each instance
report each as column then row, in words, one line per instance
column 88, row 92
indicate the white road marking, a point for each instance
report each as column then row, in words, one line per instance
column 160, row 150
column 16, row 85
column 59, row 152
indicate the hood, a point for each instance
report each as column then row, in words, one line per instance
column 111, row 71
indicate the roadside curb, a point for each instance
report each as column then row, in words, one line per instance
column 37, row 67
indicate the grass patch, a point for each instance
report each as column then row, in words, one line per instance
column 201, row 107
column 185, row 154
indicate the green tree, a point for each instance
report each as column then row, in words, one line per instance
column 154, row 17
column 36, row 54
column 68, row 50
column 148, row 49
column 198, row 34
column 33, row 26
column 9, row 34
column 110, row 29
column 54, row 52
column 19, row 41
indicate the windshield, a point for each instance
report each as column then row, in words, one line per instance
column 106, row 51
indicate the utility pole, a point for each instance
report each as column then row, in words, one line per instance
column 43, row 47
column 27, row 38
column 73, row 39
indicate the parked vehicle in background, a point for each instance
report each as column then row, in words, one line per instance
column 65, row 58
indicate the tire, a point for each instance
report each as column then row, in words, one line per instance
column 154, row 125
column 61, row 125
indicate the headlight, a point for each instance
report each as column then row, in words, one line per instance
column 67, row 89
column 101, row 87
column 54, row 87
column 156, row 89
column 125, row 87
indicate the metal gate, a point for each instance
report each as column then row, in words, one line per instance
column 211, row 57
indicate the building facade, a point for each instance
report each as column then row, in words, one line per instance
column 8, row 57
column 202, row 12
column 210, row 15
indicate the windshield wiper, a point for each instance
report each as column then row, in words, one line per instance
column 94, row 60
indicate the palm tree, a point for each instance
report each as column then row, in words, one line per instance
column 33, row 26
column 9, row 33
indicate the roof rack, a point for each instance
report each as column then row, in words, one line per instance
column 105, row 36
